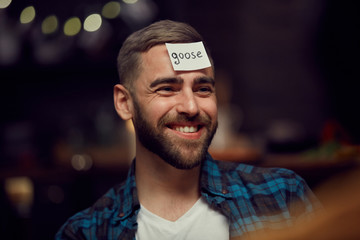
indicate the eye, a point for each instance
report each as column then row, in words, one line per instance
column 166, row 90
column 204, row 90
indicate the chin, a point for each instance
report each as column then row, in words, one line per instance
column 185, row 162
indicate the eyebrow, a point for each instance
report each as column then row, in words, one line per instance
column 202, row 80
column 172, row 80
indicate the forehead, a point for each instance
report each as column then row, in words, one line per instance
column 156, row 64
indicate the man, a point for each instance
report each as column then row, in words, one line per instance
column 174, row 189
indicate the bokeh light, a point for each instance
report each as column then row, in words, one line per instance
column 92, row 23
column 130, row 1
column 27, row 15
column 4, row 3
column 81, row 162
column 111, row 10
column 49, row 25
column 20, row 191
column 72, row 26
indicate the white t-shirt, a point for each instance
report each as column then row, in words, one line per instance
column 200, row 222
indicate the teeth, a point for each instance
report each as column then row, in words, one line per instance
column 186, row 129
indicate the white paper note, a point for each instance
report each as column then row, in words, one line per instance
column 188, row 56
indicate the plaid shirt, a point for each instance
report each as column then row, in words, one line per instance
column 252, row 199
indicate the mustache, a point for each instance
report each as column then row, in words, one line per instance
column 202, row 119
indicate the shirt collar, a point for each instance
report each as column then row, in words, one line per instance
column 212, row 182
column 127, row 196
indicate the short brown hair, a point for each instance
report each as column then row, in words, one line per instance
column 165, row 31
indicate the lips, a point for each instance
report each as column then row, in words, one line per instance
column 184, row 126
column 192, row 131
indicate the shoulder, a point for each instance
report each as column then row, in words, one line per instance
column 263, row 179
column 100, row 213
column 269, row 194
column 251, row 172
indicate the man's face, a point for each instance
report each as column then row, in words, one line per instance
column 175, row 112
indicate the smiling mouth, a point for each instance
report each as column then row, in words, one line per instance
column 186, row 129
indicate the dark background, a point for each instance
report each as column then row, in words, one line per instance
column 290, row 64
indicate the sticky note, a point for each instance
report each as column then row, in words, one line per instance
column 188, row 56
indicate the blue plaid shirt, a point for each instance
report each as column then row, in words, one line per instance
column 252, row 199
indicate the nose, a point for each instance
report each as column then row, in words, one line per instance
column 187, row 104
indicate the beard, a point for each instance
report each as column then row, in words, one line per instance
column 179, row 153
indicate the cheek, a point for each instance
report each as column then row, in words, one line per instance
column 210, row 108
column 157, row 109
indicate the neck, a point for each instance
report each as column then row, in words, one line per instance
column 162, row 188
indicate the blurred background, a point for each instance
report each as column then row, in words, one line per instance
column 287, row 77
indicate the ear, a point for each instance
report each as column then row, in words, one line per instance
column 123, row 102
